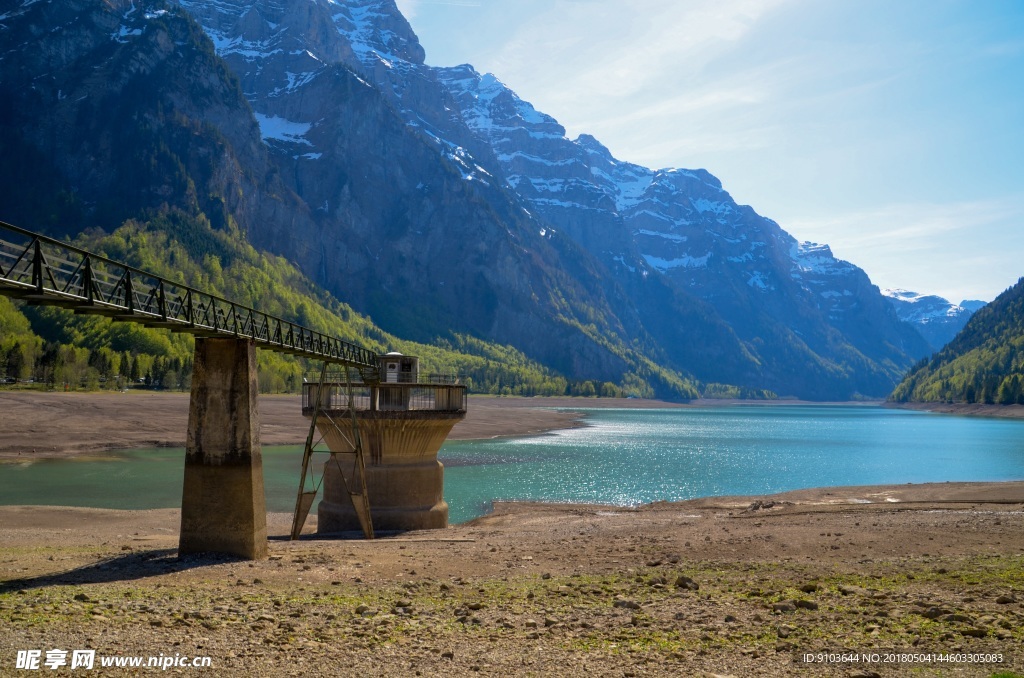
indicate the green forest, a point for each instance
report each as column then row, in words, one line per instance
column 52, row 348
column 983, row 364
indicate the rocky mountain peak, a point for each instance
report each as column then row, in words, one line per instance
column 682, row 225
column 377, row 30
column 937, row 319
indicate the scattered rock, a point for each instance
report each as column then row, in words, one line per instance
column 933, row 612
column 684, row 582
column 853, row 590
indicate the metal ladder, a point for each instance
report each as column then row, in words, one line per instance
column 359, row 498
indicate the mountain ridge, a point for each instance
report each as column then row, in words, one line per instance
column 317, row 129
column 683, row 225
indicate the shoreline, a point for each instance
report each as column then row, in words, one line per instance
column 48, row 425
column 839, row 498
column 963, row 409
column 55, row 425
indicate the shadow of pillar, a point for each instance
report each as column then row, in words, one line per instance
column 223, row 509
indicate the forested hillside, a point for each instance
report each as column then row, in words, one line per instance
column 983, row 364
column 56, row 348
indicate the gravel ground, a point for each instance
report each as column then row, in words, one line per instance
column 743, row 586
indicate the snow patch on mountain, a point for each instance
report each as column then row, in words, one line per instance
column 915, row 307
column 935, row 318
column 814, row 258
column 674, row 237
column 685, row 261
column 279, row 129
column 377, row 34
column 759, row 280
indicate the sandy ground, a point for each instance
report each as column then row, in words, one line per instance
column 887, row 581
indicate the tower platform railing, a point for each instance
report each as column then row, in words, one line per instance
column 422, row 396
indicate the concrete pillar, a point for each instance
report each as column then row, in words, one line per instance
column 404, row 479
column 223, row 508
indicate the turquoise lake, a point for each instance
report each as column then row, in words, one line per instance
column 624, row 457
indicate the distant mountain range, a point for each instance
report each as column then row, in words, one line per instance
column 935, row 318
column 984, row 363
column 432, row 199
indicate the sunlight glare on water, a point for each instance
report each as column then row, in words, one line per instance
column 623, row 456
column 630, row 457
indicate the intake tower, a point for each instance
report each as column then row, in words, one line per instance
column 387, row 431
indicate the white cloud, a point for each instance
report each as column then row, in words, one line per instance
column 605, row 49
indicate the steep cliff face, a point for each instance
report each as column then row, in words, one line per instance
column 109, row 110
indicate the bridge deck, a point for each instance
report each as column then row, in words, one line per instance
column 45, row 271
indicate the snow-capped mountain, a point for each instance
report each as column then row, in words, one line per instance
column 681, row 224
column 935, row 318
column 664, row 240
column 434, row 200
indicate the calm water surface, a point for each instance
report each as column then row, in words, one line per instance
column 624, row 457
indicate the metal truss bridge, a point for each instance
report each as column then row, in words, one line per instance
column 45, row 271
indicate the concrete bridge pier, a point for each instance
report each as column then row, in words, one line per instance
column 223, row 508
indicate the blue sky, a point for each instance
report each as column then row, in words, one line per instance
column 893, row 131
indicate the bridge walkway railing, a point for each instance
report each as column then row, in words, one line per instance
column 45, row 271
